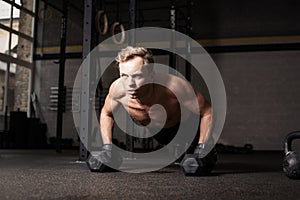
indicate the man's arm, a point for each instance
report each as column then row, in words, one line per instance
column 106, row 117
column 186, row 92
column 106, row 121
column 205, row 118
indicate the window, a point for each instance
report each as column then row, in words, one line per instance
column 17, row 20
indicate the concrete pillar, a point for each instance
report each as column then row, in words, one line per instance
column 22, row 77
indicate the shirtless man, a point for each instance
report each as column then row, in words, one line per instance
column 131, row 91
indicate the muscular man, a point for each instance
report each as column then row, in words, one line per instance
column 137, row 92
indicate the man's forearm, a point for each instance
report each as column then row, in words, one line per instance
column 106, row 126
column 205, row 126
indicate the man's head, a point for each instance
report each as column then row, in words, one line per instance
column 134, row 69
column 130, row 52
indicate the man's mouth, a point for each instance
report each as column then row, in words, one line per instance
column 131, row 92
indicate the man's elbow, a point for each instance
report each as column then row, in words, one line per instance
column 206, row 112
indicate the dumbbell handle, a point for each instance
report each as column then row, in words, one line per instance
column 288, row 140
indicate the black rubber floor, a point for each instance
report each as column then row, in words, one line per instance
column 43, row 174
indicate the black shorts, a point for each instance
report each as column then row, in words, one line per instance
column 165, row 135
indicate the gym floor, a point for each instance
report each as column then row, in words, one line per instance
column 44, row 174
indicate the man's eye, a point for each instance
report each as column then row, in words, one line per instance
column 124, row 76
column 137, row 76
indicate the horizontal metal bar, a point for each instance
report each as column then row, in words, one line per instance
column 209, row 49
column 20, row 7
column 10, row 59
column 54, row 56
column 20, row 34
column 254, row 48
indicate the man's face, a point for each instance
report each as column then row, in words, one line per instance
column 133, row 75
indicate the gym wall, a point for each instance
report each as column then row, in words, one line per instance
column 262, row 87
column 263, row 91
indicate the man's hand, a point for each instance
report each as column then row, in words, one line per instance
column 199, row 164
column 199, row 150
column 105, row 155
column 104, row 160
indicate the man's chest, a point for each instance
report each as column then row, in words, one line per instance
column 159, row 110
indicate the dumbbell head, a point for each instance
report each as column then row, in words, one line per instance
column 191, row 165
column 94, row 162
column 103, row 161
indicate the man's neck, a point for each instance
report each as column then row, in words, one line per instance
column 146, row 94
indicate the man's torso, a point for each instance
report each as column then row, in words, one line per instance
column 146, row 111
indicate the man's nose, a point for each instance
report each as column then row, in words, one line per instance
column 131, row 81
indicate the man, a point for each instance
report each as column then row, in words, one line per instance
column 137, row 92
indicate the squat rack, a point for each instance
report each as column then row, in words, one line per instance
column 88, row 44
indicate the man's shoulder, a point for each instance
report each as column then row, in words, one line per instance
column 172, row 81
column 177, row 84
column 116, row 90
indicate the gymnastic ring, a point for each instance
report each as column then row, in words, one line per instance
column 98, row 17
column 122, row 33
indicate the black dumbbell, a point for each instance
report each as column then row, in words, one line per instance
column 192, row 165
column 105, row 160
column 291, row 161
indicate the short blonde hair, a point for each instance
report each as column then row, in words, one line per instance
column 130, row 52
